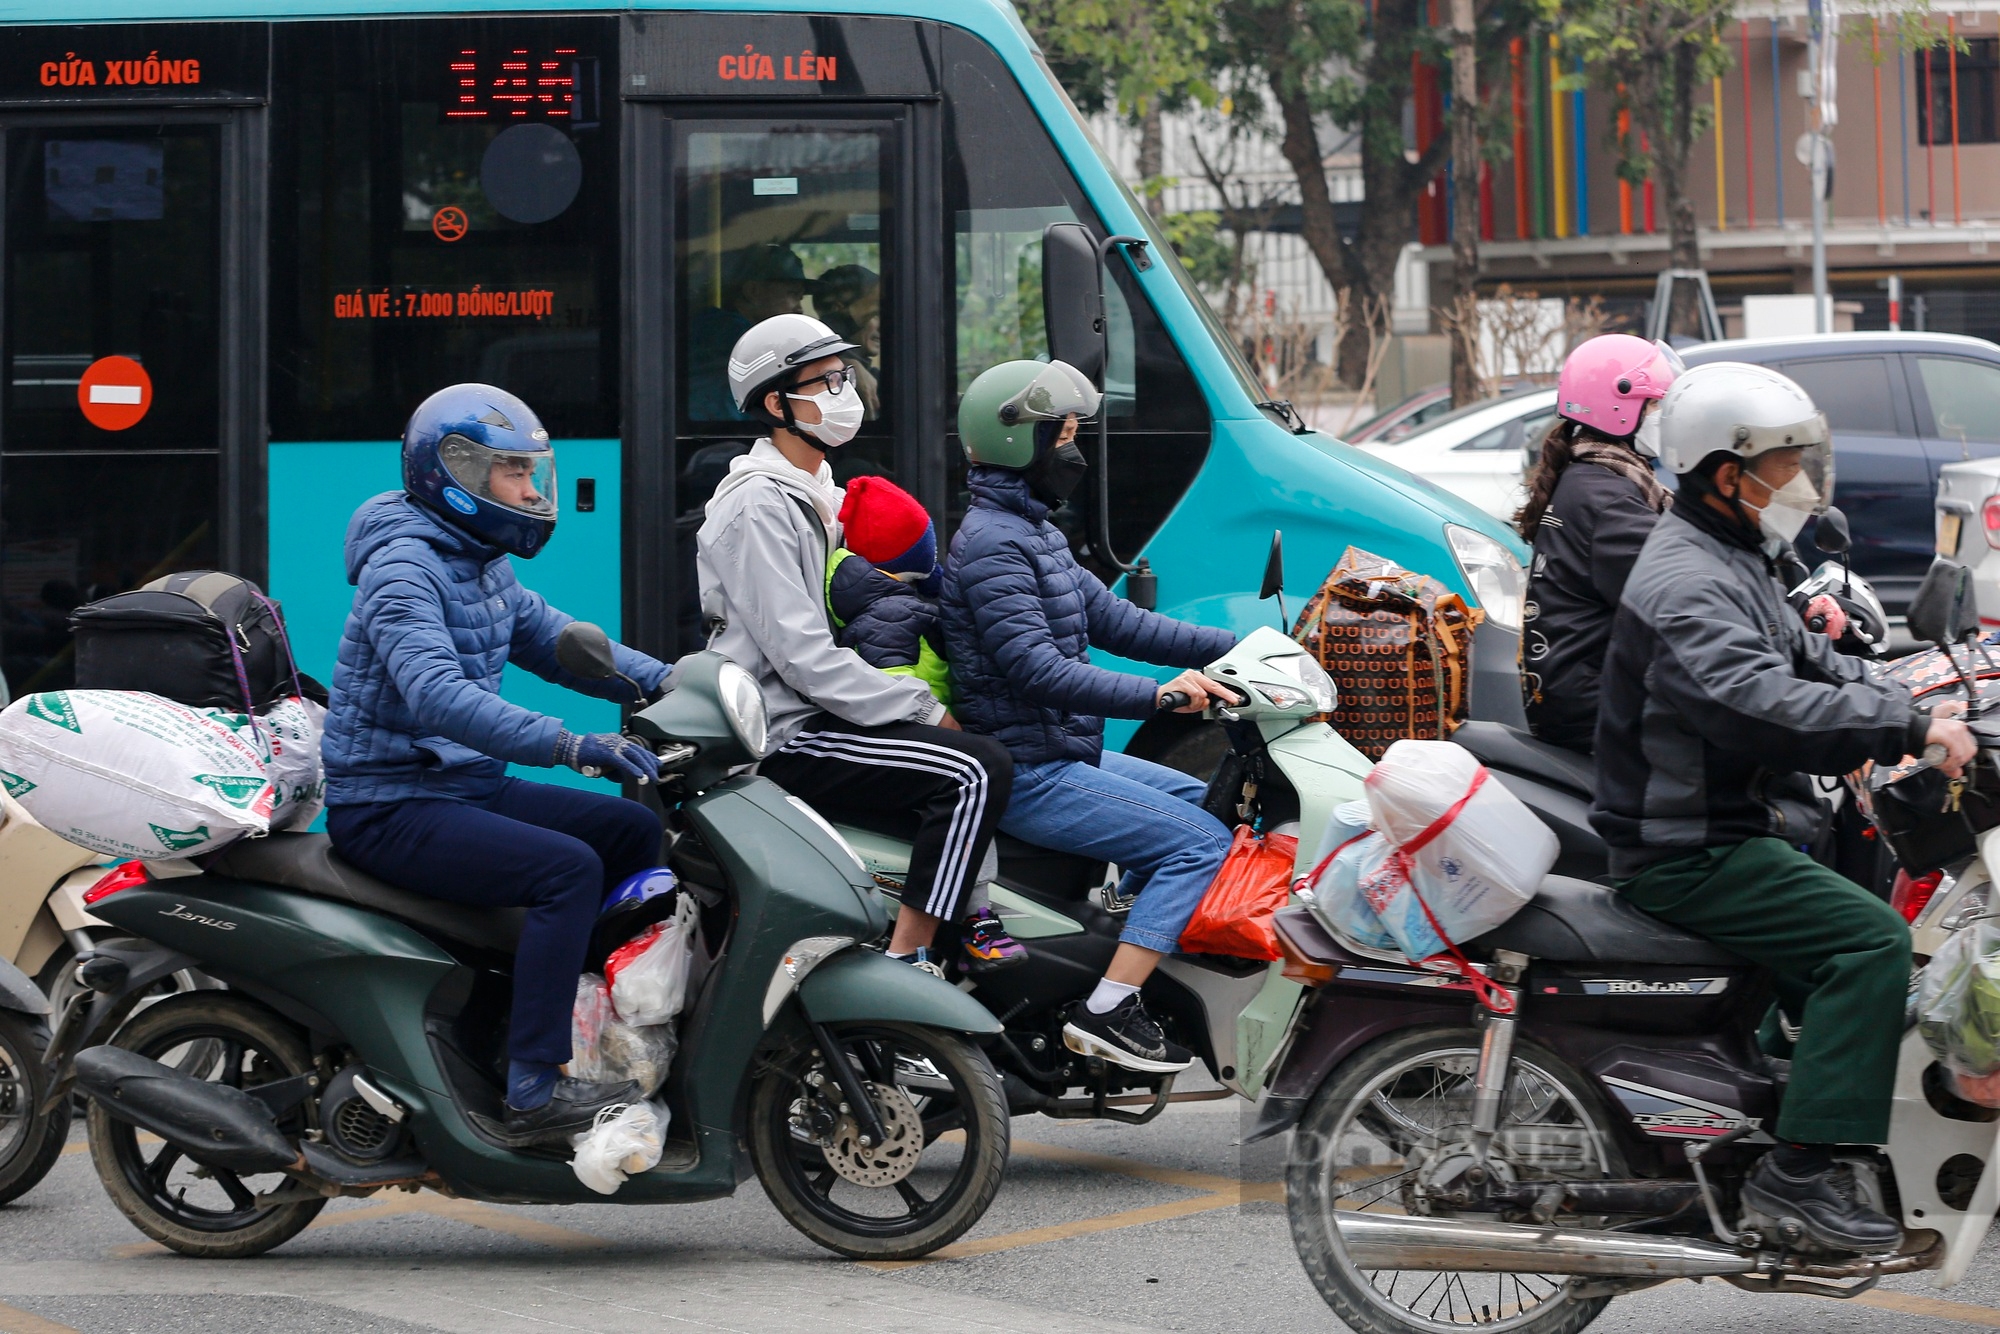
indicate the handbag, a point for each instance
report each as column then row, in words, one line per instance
column 1399, row 647
column 1234, row 916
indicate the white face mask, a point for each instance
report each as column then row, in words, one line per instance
column 840, row 416
column 1788, row 509
column 1646, row 440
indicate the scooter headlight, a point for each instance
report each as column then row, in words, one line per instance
column 743, row 705
column 1314, row 687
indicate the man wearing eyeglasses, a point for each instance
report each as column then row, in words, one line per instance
column 851, row 740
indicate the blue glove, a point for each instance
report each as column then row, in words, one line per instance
column 607, row 755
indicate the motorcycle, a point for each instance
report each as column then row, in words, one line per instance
column 1520, row 1164
column 360, row 1044
column 31, row 1136
column 1284, row 771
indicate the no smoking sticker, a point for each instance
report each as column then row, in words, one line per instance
column 114, row 393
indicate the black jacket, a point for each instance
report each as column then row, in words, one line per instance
column 882, row 618
column 1717, row 702
column 1584, row 549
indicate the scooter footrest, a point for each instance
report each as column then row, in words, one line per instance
column 330, row 1166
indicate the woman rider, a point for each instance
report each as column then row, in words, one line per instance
column 1587, row 524
column 1020, row 617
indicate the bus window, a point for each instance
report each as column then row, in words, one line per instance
column 110, row 429
column 1004, row 183
column 433, row 222
column 777, row 217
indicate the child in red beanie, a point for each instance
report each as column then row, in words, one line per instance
column 881, row 587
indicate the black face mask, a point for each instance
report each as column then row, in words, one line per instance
column 1054, row 476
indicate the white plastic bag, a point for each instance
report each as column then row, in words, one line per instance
column 133, row 775
column 1958, row 1001
column 648, row 974
column 622, row 1142
column 605, row 1050
column 1348, row 853
column 1473, row 851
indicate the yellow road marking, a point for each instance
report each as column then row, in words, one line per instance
column 1909, row 1303
column 13, row 1320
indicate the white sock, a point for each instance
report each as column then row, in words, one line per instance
column 1108, row 996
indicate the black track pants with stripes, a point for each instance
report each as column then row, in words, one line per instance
column 944, row 790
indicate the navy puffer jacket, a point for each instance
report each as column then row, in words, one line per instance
column 415, row 708
column 1020, row 618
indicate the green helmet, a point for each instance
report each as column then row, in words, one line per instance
column 997, row 416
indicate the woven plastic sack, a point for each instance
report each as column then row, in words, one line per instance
column 132, row 775
column 622, row 1142
column 1399, row 647
column 648, row 974
column 1234, row 916
column 1958, row 1002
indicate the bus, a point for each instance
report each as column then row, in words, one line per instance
column 244, row 238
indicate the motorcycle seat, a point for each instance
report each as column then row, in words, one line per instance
column 1516, row 752
column 306, row 863
column 1577, row 921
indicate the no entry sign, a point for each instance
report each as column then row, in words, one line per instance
column 114, row 393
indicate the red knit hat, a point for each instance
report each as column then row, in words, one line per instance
column 886, row 527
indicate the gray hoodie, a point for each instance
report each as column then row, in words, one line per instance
column 761, row 559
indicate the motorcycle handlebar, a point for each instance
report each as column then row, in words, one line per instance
column 1173, row 700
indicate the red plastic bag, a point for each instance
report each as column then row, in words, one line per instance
column 1235, row 915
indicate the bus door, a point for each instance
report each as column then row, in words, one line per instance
column 757, row 199
column 128, row 390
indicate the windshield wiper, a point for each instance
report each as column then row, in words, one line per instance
column 1283, row 407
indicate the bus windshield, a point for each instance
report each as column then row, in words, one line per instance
column 1232, row 355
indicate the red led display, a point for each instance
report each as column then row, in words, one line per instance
column 520, row 83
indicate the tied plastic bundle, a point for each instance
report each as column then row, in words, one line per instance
column 648, row 974
column 604, row 1049
column 622, row 1142
column 1451, row 854
column 1958, row 1010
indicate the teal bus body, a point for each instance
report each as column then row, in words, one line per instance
column 618, row 563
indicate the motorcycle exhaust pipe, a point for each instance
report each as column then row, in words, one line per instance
column 215, row 1125
column 1390, row 1241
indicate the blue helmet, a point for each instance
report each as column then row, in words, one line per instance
column 480, row 459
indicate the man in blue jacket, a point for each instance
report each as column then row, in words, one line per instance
column 1020, row 617
column 418, row 739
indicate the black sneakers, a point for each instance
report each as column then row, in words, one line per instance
column 1126, row 1036
column 570, row 1109
column 1827, row 1204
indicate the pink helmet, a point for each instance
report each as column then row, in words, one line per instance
column 1606, row 381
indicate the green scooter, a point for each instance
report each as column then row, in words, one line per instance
column 360, row 1045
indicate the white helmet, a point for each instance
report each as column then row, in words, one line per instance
column 1736, row 408
column 767, row 351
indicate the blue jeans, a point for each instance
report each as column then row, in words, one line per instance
column 1144, row 816
column 555, row 851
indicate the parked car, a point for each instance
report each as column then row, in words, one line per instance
column 1423, row 408
column 1479, row 452
column 1968, row 527
column 1903, row 406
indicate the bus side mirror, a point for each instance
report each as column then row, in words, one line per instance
column 1073, row 297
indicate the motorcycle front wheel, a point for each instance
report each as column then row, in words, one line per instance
column 1391, row 1129
column 944, row 1116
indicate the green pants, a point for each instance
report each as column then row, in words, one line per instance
column 1840, row 959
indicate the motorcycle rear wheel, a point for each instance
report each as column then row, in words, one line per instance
column 1408, row 1098
column 29, row 1145
column 207, row 1213
column 910, row 1217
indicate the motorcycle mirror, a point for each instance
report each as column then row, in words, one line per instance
column 584, row 650
column 1831, row 534
column 1274, row 569
column 1943, row 612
